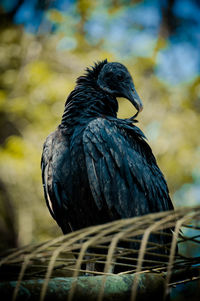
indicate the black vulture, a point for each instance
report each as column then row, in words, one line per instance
column 97, row 168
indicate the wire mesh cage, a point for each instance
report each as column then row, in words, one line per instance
column 126, row 262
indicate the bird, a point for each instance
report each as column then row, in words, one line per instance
column 96, row 167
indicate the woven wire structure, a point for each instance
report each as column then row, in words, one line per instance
column 78, row 252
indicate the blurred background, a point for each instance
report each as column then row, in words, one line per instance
column 46, row 44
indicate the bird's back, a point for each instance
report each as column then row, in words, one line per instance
column 101, row 171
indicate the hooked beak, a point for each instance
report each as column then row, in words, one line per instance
column 134, row 98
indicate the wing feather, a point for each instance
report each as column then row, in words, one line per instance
column 55, row 165
column 122, row 170
column 46, row 173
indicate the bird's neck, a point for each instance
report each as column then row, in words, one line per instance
column 87, row 102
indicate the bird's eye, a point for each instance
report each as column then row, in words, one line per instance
column 120, row 77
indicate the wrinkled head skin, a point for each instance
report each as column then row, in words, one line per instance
column 115, row 79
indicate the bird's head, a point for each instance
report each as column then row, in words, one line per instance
column 115, row 79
